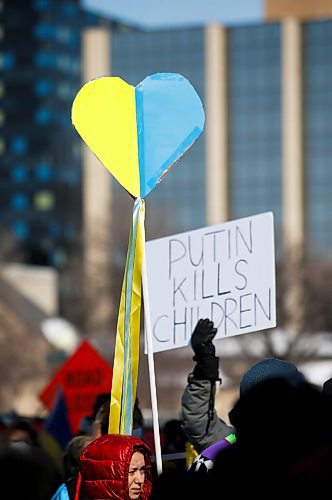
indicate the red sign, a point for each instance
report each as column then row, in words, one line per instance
column 83, row 376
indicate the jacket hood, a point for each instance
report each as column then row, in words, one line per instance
column 104, row 466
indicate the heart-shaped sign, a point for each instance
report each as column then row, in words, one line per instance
column 138, row 133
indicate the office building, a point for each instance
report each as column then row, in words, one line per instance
column 266, row 88
column 40, row 152
column 266, row 85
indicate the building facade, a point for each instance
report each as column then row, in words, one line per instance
column 267, row 91
column 40, row 152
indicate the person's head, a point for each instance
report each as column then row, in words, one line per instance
column 116, row 466
column 73, row 452
column 136, row 474
column 267, row 369
column 101, row 419
column 100, row 423
column 21, row 434
column 283, row 430
column 26, row 472
column 175, row 438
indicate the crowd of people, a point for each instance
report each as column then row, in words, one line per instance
column 278, row 441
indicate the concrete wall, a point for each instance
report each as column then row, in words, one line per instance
column 302, row 9
column 37, row 284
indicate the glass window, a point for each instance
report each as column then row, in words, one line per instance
column 43, row 31
column 44, row 172
column 64, row 63
column 19, row 201
column 7, row 61
column 43, row 88
column 44, row 201
column 75, row 67
column 54, row 229
column 58, row 257
column 317, row 90
column 64, row 91
column 69, row 232
column 67, row 35
column 45, row 60
column 42, row 4
column 134, row 56
column 70, row 176
column 19, row 173
column 20, row 229
column 69, row 9
column 254, row 120
column 19, row 145
column 43, row 116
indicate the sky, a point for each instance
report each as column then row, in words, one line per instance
column 159, row 14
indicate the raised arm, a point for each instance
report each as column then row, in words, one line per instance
column 200, row 420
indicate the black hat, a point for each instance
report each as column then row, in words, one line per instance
column 266, row 369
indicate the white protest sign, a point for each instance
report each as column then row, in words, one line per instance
column 224, row 272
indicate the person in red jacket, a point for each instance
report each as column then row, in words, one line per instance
column 116, row 466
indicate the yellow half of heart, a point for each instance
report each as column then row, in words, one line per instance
column 104, row 115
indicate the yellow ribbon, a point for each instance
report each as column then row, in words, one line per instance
column 126, row 357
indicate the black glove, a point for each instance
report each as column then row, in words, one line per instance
column 201, row 339
column 201, row 342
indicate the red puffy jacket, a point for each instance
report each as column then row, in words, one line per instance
column 104, row 466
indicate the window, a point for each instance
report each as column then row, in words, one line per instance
column 20, row 229
column 66, row 35
column 64, row 63
column 255, row 122
column 43, row 116
column 19, row 201
column 44, row 172
column 42, row 4
column 45, row 60
column 317, row 87
column 69, row 232
column 19, row 173
column 43, row 31
column 138, row 54
column 70, row 176
column 58, row 257
column 7, row 61
column 44, row 201
column 43, row 88
column 19, row 145
column 69, row 9
column 54, row 229
column 64, row 91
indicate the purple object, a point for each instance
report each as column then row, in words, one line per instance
column 212, row 451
